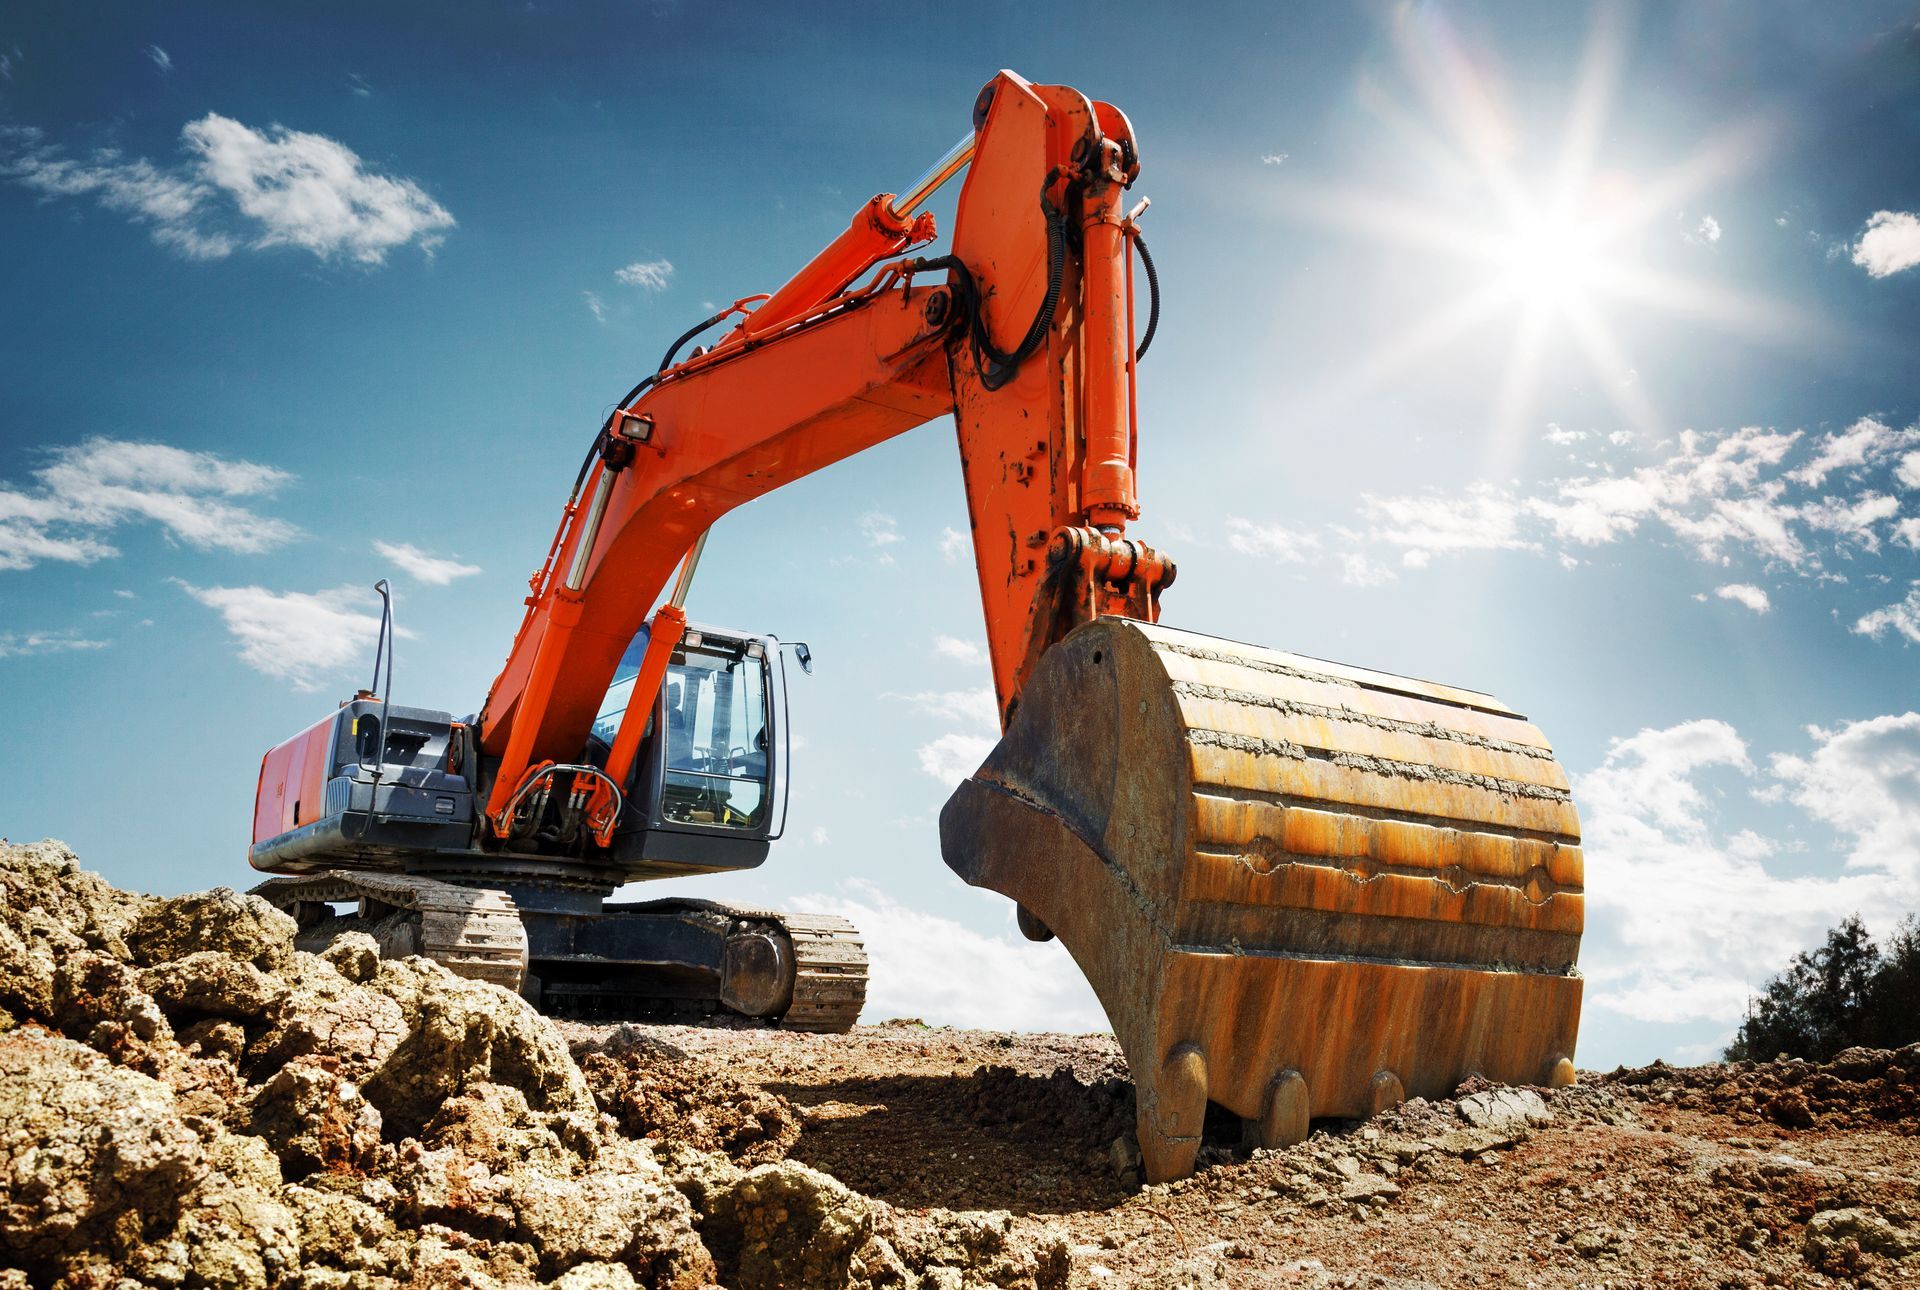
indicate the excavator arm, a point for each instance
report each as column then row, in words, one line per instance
column 1023, row 333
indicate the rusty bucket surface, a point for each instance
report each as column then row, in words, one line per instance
column 1299, row 889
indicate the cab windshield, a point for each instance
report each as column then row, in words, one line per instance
column 715, row 705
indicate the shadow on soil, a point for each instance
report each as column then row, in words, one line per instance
column 994, row 1139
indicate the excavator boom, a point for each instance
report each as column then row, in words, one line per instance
column 1299, row 889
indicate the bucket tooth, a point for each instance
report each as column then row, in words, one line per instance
column 1299, row 889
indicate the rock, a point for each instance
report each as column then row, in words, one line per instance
column 98, row 999
column 316, row 1119
column 339, row 1232
column 460, row 1033
column 210, row 984
column 595, row 1276
column 233, row 1231
column 323, row 1014
column 701, row 1176
column 627, row 1213
column 102, row 1178
column 1594, row 1242
column 784, row 1224
column 214, row 1038
column 1505, row 1110
column 1125, row 1155
column 445, row 1258
column 1829, row 1232
column 980, row 1248
column 1469, row 1142
column 354, row 955
column 1369, row 1187
column 223, row 920
column 493, row 1124
column 84, row 1145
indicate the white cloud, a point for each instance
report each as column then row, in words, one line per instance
column 1747, row 594
column 92, row 487
column 1890, row 243
column 1560, row 437
column 1907, row 532
column 953, row 544
column 1269, row 541
column 1484, row 519
column 1902, row 617
column 1908, row 471
column 1852, row 518
column 1705, row 233
column 1621, row 438
column 595, row 305
column 297, row 636
column 22, row 644
column 974, row 707
column 308, row 191
column 1717, row 494
column 1682, row 924
column 161, row 59
column 968, row 652
column 648, row 275
column 1357, row 570
column 1273, row 158
column 287, row 188
column 435, row 570
column 880, row 529
column 1864, row 780
column 954, row 756
column 1865, row 442
column 945, row 973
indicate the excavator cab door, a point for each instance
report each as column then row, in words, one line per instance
column 708, row 788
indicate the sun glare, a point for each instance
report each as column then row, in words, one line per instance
column 1555, row 257
column 1552, row 261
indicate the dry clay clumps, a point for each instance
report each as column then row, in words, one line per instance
column 188, row 1100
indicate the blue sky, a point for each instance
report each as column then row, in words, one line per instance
column 1562, row 353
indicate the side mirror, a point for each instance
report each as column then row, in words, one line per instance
column 803, row 655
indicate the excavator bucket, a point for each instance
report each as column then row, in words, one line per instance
column 1299, row 889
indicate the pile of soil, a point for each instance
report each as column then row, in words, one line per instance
column 1858, row 1089
column 186, row 1100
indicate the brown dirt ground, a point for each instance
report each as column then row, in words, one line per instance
column 1656, row 1177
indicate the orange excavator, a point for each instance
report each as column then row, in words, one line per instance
column 1300, row 889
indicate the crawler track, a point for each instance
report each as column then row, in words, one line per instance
column 476, row 932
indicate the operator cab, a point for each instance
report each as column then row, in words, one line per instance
column 709, row 793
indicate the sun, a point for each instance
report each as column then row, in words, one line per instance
column 1551, row 260
column 1555, row 256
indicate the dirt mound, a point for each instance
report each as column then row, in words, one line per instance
column 655, row 1091
column 188, row 1100
column 1859, row 1088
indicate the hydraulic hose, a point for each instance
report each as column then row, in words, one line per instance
column 1153, row 297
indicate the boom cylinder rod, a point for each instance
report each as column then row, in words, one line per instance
column 684, row 583
column 589, row 530
column 950, row 164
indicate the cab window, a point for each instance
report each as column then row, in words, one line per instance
column 716, row 740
